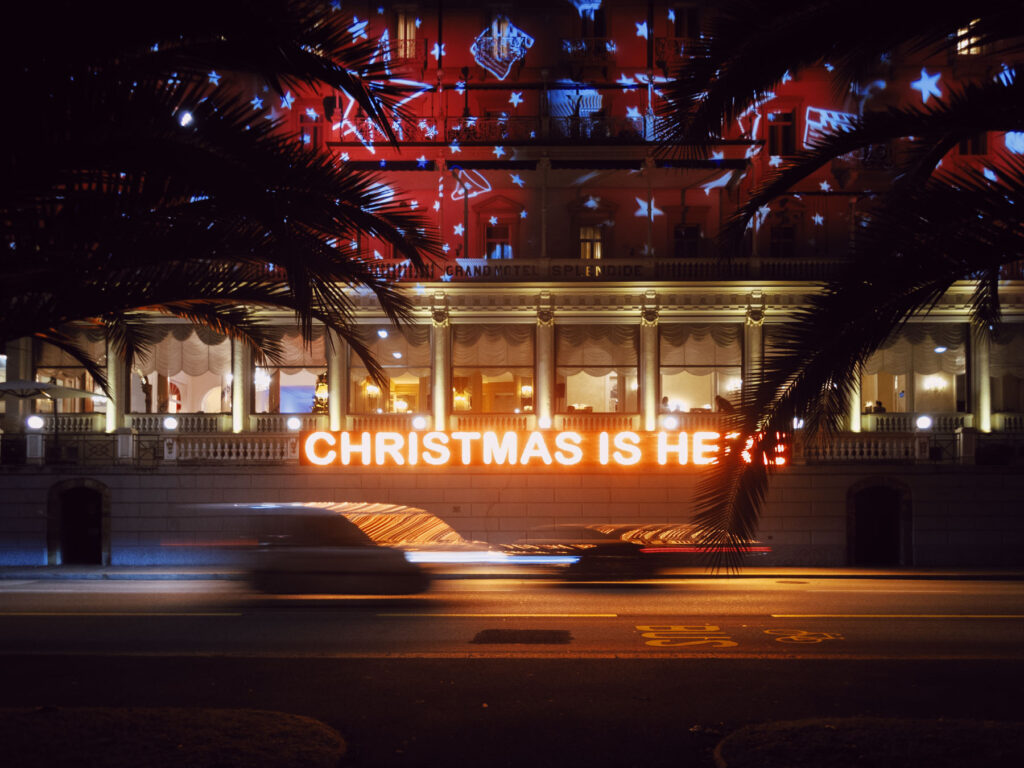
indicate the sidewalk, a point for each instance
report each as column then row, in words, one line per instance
column 199, row 572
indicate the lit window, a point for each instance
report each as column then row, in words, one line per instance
column 967, row 42
column 590, row 242
column 498, row 241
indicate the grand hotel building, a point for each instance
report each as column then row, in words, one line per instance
column 580, row 292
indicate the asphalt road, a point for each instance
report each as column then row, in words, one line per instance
column 792, row 618
column 651, row 675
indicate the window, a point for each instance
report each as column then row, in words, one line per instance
column 920, row 369
column 700, row 367
column 593, row 23
column 686, row 241
column 289, row 387
column 686, row 22
column 975, row 145
column 590, row 242
column 310, row 126
column 405, row 357
column 783, row 241
column 1006, row 370
column 405, row 35
column 967, row 41
column 596, row 368
column 492, row 368
column 781, row 133
column 498, row 240
column 187, row 371
column 53, row 364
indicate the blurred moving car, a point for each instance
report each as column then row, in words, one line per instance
column 620, row 551
column 307, row 549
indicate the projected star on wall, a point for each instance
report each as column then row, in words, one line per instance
column 454, row 147
column 818, row 219
column 493, row 221
column 641, row 29
column 358, row 29
column 928, row 85
column 592, row 202
column 632, row 113
column 825, row 186
column 516, row 98
column 257, row 103
column 287, row 100
column 499, row 151
column 214, row 77
column 516, row 179
column 774, row 161
column 421, row 161
column 438, row 51
column 647, row 209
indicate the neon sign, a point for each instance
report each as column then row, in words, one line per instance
column 520, row 449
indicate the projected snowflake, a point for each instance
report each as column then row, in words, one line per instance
column 500, row 46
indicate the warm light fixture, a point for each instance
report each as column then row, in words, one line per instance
column 372, row 390
column 420, row 422
column 321, row 394
column 294, row 423
column 401, row 406
column 261, row 380
column 34, row 421
column 670, row 422
column 170, row 423
column 924, row 422
column 382, row 333
column 934, row 383
column 526, row 390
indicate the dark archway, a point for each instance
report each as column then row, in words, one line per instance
column 878, row 526
column 78, row 530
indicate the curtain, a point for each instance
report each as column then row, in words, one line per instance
column 405, row 350
column 298, row 357
column 491, row 348
column 596, row 350
column 1006, row 356
column 695, row 346
column 188, row 349
column 912, row 350
column 90, row 340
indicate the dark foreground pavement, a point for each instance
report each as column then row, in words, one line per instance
column 548, row 712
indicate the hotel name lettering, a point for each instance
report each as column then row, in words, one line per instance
column 520, row 449
column 487, row 270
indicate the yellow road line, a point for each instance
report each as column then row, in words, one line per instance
column 505, row 615
column 897, row 615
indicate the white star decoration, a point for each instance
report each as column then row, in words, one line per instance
column 774, row 161
column 516, row 98
column 214, row 78
column 493, row 221
column 591, row 202
column 641, row 29
column 499, row 151
column 516, row 179
column 928, row 85
column 438, row 51
column 454, row 147
column 825, row 186
column 287, row 100
column 645, row 209
column 632, row 113
column 459, row 229
column 257, row 103
column 818, row 219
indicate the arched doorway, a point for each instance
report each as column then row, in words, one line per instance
column 878, row 529
column 79, row 527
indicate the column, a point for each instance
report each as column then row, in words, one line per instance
column 981, row 381
column 753, row 344
column 117, row 402
column 241, row 386
column 19, row 368
column 440, row 348
column 337, row 380
column 650, row 384
column 856, row 404
column 544, row 383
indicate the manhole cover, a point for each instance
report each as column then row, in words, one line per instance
column 523, row 636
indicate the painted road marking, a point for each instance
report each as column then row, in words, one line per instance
column 679, row 635
column 802, row 636
column 503, row 615
column 897, row 615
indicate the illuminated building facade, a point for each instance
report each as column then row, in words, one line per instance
column 580, row 294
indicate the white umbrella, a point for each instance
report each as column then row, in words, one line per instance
column 41, row 390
